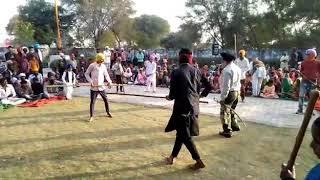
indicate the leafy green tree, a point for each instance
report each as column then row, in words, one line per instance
column 95, row 17
column 188, row 35
column 40, row 14
column 150, row 29
column 23, row 33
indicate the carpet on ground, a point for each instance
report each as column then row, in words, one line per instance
column 41, row 102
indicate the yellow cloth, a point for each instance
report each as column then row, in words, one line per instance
column 100, row 58
column 243, row 52
column 34, row 65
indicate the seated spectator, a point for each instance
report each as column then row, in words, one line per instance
column 286, row 87
column 8, row 94
column 69, row 80
column 128, row 74
column 276, row 81
column 141, row 77
column 25, row 91
column 22, row 77
column 56, row 89
column 37, row 87
column 36, row 75
column 269, row 91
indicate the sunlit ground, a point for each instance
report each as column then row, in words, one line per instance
column 56, row 142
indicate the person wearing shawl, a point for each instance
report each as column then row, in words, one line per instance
column 185, row 87
column 259, row 73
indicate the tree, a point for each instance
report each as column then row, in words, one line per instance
column 95, row 17
column 40, row 14
column 188, row 35
column 23, row 33
column 150, row 29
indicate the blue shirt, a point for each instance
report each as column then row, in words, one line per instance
column 140, row 56
column 314, row 174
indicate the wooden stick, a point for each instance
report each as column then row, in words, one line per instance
column 307, row 116
column 140, row 95
column 85, row 85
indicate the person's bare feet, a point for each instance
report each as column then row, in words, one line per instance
column 169, row 160
column 198, row 165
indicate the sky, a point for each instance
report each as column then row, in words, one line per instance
column 167, row 9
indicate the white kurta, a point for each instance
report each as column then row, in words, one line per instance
column 95, row 74
column 257, row 79
column 243, row 65
column 68, row 89
column 151, row 69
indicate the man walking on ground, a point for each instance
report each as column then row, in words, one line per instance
column 185, row 87
column 310, row 69
column 230, row 91
column 95, row 75
column 243, row 63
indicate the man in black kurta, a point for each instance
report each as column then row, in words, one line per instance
column 185, row 87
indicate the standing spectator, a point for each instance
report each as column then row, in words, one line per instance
column 310, row 69
column 293, row 58
column 23, row 61
column 259, row 74
column 118, row 71
column 107, row 56
column 73, row 62
column 39, row 56
column 123, row 56
column 151, row 69
column 69, row 80
column 284, row 61
column 10, row 54
column 140, row 58
column 82, row 68
column 33, row 63
column 130, row 56
column 243, row 63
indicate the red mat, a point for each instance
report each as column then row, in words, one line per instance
column 42, row 102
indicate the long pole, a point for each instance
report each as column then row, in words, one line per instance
column 307, row 116
column 59, row 43
column 235, row 44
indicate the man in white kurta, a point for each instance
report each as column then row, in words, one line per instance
column 96, row 74
column 69, row 80
column 151, row 69
column 243, row 63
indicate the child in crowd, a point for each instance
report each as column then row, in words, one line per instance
column 314, row 173
column 269, row 91
column 141, row 77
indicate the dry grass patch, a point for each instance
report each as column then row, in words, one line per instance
column 56, row 142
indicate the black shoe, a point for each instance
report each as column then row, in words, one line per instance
column 109, row 115
column 226, row 134
column 235, row 128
